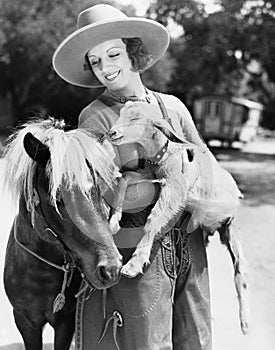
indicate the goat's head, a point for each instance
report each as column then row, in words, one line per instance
column 140, row 122
column 133, row 125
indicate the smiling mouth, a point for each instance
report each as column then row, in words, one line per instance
column 113, row 76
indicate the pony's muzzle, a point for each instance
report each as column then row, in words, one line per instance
column 109, row 275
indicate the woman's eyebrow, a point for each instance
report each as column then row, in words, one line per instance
column 114, row 47
column 91, row 55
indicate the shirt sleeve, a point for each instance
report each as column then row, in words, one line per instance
column 97, row 116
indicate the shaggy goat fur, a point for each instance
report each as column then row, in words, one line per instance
column 191, row 180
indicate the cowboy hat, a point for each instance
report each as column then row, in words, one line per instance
column 100, row 23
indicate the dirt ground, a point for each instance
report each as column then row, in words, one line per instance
column 255, row 175
column 254, row 170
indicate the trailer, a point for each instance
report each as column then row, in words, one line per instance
column 227, row 119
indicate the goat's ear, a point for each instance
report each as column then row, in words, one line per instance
column 36, row 149
column 167, row 130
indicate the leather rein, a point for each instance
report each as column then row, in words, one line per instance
column 68, row 266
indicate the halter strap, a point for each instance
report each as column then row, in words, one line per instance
column 21, row 245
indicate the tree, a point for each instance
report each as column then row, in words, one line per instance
column 30, row 31
column 216, row 51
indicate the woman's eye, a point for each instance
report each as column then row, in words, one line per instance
column 94, row 63
column 113, row 55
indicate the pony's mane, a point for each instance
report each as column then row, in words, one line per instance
column 77, row 159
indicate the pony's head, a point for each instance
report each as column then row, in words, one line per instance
column 61, row 177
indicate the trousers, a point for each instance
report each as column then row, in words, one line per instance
column 168, row 307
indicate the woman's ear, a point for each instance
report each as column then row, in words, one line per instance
column 167, row 130
column 36, row 149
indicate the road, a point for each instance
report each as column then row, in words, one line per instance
column 254, row 170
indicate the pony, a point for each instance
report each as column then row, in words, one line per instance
column 60, row 238
column 191, row 180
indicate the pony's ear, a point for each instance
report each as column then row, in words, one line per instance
column 167, row 130
column 36, row 149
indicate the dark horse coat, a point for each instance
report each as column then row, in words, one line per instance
column 60, row 234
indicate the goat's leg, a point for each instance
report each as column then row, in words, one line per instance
column 230, row 236
column 168, row 204
column 139, row 258
column 32, row 336
column 171, row 202
column 116, row 210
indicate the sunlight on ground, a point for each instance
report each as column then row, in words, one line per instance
column 226, row 329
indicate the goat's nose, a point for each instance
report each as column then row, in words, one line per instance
column 112, row 134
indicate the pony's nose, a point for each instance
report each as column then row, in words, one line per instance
column 108, row 274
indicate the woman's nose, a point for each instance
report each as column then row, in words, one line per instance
column 104, row 65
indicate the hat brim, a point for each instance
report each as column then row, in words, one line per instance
column 69, row 58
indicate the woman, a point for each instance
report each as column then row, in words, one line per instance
column 167, row 307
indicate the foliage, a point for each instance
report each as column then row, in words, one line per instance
column 230, row 52
column 30, row 31
column 216, row 52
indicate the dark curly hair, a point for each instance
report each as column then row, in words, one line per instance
column 137, row 54
column 139, row 57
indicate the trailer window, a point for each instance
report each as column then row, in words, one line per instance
column 207, row 107
column 218, row 108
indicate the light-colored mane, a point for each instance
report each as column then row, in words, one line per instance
column 77, row 159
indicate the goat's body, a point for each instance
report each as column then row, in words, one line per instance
column 198, row 185
column 181, row 192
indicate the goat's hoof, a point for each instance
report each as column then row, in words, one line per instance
column 114, row 226
column 131, row 270
column 244, row 327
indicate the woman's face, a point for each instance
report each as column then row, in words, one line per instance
column 111, row 64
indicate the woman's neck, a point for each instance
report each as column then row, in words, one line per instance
column 134, row 88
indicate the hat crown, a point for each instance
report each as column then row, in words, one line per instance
column 98, row 13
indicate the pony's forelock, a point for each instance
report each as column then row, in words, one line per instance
column 77, row 159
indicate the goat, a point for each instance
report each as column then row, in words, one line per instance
column 191, row 180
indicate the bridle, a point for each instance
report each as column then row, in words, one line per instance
column 69, row 264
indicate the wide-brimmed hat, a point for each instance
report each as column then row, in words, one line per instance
column 100, row 23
